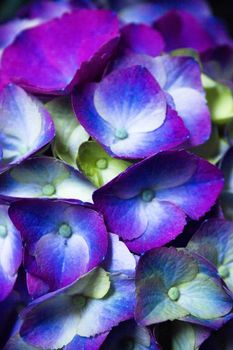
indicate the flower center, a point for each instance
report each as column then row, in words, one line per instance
column 3, row 231
column 48, row 190
column 65, row 231
column 121, row 134
column 174, row 293
column 223, row 271
column 148, row 195
column 102, row 163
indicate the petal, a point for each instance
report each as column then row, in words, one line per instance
column 127, row 218
column 192, row 108
column 59, row 56
column 31, row 179
column 35, row 127
column 180, row 78
column 10, row 253
column 214, row 241
column 143, row 39
column 205, row 184
column 131, row 98
column 52, row 324
column 52, row 321
column 69, row 133
column 176, row 177
column 60, row 259
column 119, row 259
column 176, row 26
column 165, row 222
column 82, row 343
column 97, row 165
column 101, row 315
column 208, row 299
column 168, row 136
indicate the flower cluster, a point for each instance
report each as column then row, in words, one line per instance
column 116, row 136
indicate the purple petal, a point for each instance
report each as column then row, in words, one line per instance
column 217, row 63
column 65, row 240
column 54, row 319
column 180, row 78
column 127, row 113
column 10, row 253
column 165, row 222
column 206, row 182
column 169, row 183
column 180, row 30
column 82, row 343
column 9, row 30
column 62, row 61
column 34, row 130
column 142, row 39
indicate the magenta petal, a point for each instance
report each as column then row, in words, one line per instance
column 62, row 51
column 180, row 29
column 142, row 39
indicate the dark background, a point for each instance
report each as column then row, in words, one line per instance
column 221, row 8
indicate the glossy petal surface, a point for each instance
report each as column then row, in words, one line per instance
column 64, row 241
column 34, row 130
column 47, row 178
column 61, row 59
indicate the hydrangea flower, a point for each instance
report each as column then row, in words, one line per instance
column 147, row 204
column 127, row 113
column 214, row 241
column 87, row 308
column 57, row 61
column 34, row 129
column 180, row 79
column 175, row 284
column 63, row 241
column 10, row 253
column 46, row 178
